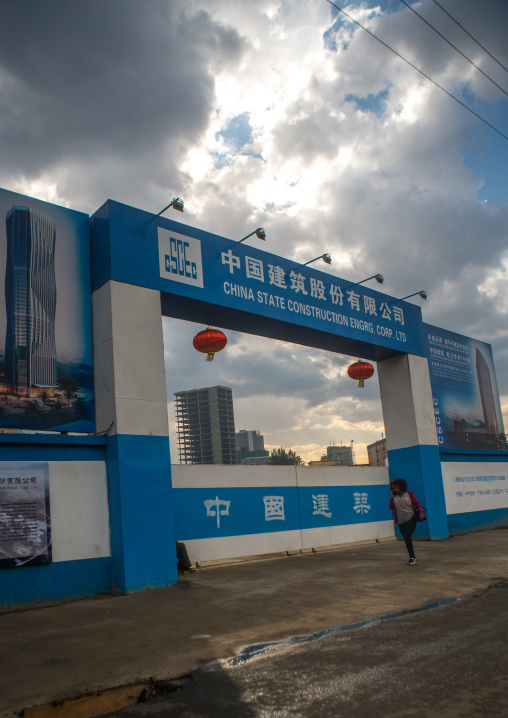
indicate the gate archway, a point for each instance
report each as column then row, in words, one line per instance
column 146, row 266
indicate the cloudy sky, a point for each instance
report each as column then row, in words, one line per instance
column 286, row 115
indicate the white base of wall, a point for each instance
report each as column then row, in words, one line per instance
column 213, row 549
column 351, row 533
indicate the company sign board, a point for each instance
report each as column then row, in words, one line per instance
column 475, row 486
column 187, row 262
column 464, row 389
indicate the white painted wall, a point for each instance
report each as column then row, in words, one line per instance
column 340, row 475
column 197, row 476
column 80, row 516
column 78, row 500
column 193, row 476
column 129, row 389
column 406, row 399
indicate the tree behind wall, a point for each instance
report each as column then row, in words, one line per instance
column 281, row 457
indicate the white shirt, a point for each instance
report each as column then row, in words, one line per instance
column 403, row 507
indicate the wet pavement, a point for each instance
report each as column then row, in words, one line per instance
column 83, row 648
column 449, row 661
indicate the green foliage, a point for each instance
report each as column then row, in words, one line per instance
column 281, row 457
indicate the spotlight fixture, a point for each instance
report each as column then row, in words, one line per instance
column 422, row 293
column 325, row 257
column 378, row 277
column 259, row 232
column 176, row 203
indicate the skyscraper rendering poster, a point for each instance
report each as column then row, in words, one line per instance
column 467, row 408
column 46, row 376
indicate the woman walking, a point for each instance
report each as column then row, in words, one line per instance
column 406, row 512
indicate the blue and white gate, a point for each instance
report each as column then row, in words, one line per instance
column 143, row 266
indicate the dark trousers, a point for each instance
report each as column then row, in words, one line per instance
column 182, row 556
column 407, row 529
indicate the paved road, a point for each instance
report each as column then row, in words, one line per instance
column 450, row 662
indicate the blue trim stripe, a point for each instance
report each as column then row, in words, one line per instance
column 28, row 585
column 63, row 439
column 34, row 452
column 478, row 521
column 52, row 447
column 486, row 457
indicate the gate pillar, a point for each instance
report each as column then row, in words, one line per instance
column 130, row 390
column 411, row 438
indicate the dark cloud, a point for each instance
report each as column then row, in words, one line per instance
column 94, row 80
column 350, row 152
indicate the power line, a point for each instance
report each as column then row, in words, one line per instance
column 469, row 35
column 452, row 45
column 482, row 119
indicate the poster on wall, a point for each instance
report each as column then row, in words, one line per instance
column 25, row 533
column 464, row 388
column 46, row 376
column 474, row 486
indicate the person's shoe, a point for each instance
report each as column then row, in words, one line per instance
column 411, row 562
column 187, row 571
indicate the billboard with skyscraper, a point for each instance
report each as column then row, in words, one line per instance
column 46, row 378
column 464, row 389
column 30, row 299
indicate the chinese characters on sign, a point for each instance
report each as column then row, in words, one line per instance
column 321, row 505
column 294, row 290
column 361, row 506
column 217, row 511
column 25, row 535
column 274, row 506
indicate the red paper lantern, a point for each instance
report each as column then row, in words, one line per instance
column 209, row 341
column 360, row 370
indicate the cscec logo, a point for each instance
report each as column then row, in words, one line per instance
column 180, row 258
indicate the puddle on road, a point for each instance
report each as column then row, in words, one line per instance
column 251, row 652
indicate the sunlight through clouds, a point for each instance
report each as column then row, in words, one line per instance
column 495, row 286
column 286, row 115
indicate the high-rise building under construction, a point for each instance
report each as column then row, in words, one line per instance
column 206, row 426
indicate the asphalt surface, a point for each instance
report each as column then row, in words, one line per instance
column 86, row 648
column 450, row 662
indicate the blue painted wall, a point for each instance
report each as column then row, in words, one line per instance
column 140, row 512
column 420, row 466
column 54, row 582
column 58, row 580
column 477, row 521
column 246, row 511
